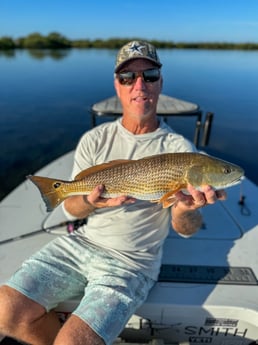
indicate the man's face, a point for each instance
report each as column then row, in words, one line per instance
column 139, row 98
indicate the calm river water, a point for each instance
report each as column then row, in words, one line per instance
column 45, row 97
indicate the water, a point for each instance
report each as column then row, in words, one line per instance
column 45, row 97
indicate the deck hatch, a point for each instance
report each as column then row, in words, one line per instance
column 207, row 274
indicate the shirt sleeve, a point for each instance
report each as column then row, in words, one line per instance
column 83, row 157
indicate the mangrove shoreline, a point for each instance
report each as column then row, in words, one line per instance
column 55, row 40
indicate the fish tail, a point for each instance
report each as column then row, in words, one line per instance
column 51, row 190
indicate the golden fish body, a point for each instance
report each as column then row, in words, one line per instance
column 155, row 178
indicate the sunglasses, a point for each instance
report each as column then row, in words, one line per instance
column 149, row 76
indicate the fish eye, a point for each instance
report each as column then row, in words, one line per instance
column 57, row 184
column 227, row 170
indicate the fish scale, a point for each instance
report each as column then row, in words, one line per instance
column 151, row 178
column 140, row 179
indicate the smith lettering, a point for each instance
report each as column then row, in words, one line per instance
column 215, row 331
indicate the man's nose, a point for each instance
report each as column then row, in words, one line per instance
column 139, row 82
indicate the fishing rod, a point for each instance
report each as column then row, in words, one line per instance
column 71, row 226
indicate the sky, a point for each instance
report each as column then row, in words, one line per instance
column 168, row 20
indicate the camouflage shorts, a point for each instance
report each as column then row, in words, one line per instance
column 67, row 268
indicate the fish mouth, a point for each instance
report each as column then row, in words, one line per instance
column 237, row 181
column 240, row 179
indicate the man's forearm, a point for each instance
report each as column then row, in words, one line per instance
column 186, row 223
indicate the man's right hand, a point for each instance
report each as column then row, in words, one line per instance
column 97, row 201
column 81, row 206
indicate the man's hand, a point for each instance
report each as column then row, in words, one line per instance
column 81, row 206
column 95, row 199
column 186, row 219
column 196, row 199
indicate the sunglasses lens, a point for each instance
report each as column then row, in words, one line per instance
column 126, row 78
column 149, row 76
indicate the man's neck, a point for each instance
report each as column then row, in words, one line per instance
column 140, row 127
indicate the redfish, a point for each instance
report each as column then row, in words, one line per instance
column 154, row 178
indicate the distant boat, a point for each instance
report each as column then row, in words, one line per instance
column 207, row 290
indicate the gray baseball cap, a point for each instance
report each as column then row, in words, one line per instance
column 136, row 50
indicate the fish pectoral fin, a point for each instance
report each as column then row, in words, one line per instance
column 154, row 200
column 100, row 167
column 169, row 198
column 166, row 202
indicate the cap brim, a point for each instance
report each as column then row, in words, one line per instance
column 119, row 67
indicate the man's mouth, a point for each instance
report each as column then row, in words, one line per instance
column 140, row 99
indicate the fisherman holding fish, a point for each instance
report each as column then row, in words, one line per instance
column 114, row 260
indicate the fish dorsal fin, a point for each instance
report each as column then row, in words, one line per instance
column 100, row 167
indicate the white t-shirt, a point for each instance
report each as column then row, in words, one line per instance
column 136, row 232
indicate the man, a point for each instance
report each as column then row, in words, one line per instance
column 114, row 260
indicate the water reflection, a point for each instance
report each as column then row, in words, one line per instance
column 9, row 53
column 39, row 54
column 55, row 54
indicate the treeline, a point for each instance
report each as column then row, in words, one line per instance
column 55, row 40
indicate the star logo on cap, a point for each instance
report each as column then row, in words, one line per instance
column 135, row 49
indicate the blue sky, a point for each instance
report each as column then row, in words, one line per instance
column 172, row 20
